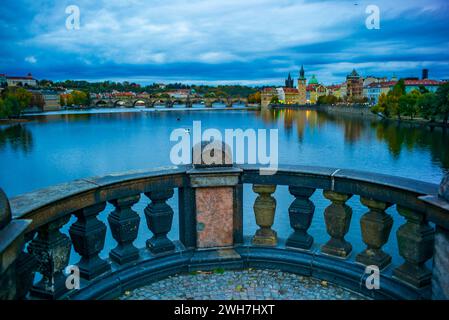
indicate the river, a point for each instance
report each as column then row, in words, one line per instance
column 55, row 148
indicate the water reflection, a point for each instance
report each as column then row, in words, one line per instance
column 397, row 137
column 18, row 137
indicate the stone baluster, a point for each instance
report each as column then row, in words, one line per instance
column 124, row 223
column 338, row 218
column 88, row 236
column 376, row 227
column 301, row 213
column 159, row 216
column 264, row 210
column 51, row 249
column 415, row 242
column 26, row 266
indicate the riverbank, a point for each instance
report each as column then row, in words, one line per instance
column 134, row 110
column 13, row 121
column 358, row 111
column 365, row 112
column 351, row 110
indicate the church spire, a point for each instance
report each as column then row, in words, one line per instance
column 301, row 72
column 289, row 81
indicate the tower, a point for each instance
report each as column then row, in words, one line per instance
column 354, row 85
column 302, row 86
column 425, row 74
column 289, row 82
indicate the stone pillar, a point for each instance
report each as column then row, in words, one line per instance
column 264, row 210
column 88, row 236
column 214, row 203
column 301, row 213
column 51, row 248
column 124, row 223
column 217, row 194
column 376, row 227
column 11, row 244
column 159, row 216
column 338, row 218
column 415, row 242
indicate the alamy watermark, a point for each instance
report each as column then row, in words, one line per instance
column 373, row 280
column 373, row 20
column 72, row 22
column 72, row 282
column 260, row 150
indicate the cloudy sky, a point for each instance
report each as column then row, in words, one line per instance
column 222, row 41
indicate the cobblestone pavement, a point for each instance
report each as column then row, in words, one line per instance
column 249, row 284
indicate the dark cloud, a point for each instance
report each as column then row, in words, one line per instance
column 252, row 41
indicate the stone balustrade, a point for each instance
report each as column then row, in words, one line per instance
column 36, row 242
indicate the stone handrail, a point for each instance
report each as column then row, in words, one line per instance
column 210, row 203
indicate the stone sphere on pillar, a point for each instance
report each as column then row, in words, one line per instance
column 5, row 210
column 212, row 154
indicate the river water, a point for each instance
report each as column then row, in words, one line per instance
column 55, row 148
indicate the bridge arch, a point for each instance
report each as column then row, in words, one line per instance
column 119, row 102
column 140, row 101
column 101, row 102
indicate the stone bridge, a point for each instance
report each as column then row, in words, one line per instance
column 131, row 102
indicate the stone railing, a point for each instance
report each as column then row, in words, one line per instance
column 36, row 244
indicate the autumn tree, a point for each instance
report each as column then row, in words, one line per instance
column 14, row 101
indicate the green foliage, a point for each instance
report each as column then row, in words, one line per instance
column 164, row 96
column 381, row 106
column 399, row 88
column 407, row 104
column 14, row 101
column 219, row 271
column 62, row 100
column 326, row 100
column 423, row 89
column 2, row 109
column 442, row 96
column 77, row 98
column 109, row 86
column 255, row 97
column 274, row 100
column 420, row 102
column 427, row 105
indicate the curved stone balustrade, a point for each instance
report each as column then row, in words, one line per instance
column 211, row 224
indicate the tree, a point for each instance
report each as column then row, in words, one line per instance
column 422, row 89
column 399, row 88
column 254, row 98
column 442, row 96
column 62, row 99
column 14, row 101
column 407, row 104
column 427, row 105
column 327, row 100
column 3, row 113
column 393, row 97
column 381, row 106
column 274, row 100
column 392, row 105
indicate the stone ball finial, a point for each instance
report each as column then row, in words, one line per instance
column 5, row 210
column 211, row 154
column 444, row 188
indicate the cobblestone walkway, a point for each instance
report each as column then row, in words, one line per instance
column 249, row 284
